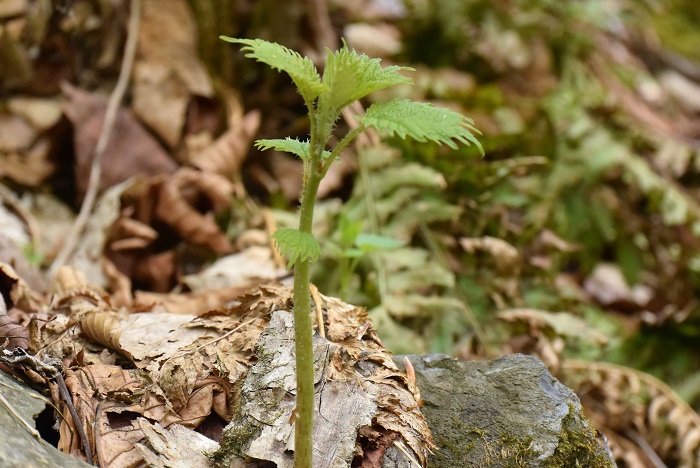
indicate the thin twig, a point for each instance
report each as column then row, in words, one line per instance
column 651, row 455
column 105, row 133
column 319, row 309
column 68, row 400
column 50, row 369
column 270, row 228
column 321, row 25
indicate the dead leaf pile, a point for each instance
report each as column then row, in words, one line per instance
column 132, row 372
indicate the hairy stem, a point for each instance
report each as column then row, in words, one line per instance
column 303, row 332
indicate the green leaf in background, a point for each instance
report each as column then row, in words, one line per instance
column 289, row 145
column 349, row 77
column 422, row 122
column 349, row 230
column 369, row 242
column 301, row 69
column 296, row 245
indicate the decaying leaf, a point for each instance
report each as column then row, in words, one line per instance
column 608, row 286
column 167, row 72
column 12, row 335
column 194, row 303
column 236, row 270
column 175, row 446
column 16, row 292
column 505, row 255
column 629, row 405
column 131, row 150
column 176, row 207
column 155, row 214
column 226, row 154
column 102, row 327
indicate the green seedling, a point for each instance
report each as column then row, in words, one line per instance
column 347, row 77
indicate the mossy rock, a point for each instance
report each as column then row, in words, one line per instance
column 508, row 412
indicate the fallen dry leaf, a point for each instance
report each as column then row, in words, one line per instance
column 41, row 113
column 103, row 328
column 226, row 154
column 12, row 334
column 16, row 292
column 376, row 40
column 158, row 213
column 167, row 72
column 177, row 199
column 236, row 270
column 607, row 286
column 175, row 446
column 131, row 150
column 31, row 167
column 194, row 303
column 16, row 133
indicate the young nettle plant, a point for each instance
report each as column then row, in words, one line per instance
column 346, row 78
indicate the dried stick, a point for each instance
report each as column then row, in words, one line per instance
column 50, row 369
column 319, row 309
column 321, row 25
column 68, row 400
column 107, row 125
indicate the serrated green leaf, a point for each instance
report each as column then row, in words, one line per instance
column 349, row 77
column 296, row 245
column 422, row 122
column 368, row 242
column 300, row 69
column 289, row 145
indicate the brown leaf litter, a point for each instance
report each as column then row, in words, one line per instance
column 132, row 151
column 132, row 375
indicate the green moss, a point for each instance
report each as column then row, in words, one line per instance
column 232, row 444
column 578, row 445
column 483, row 448
column 463, row 445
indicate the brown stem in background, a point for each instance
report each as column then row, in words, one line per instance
column 108, row 124
column 321, row 25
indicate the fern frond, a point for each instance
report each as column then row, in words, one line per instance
column 627, row 401
column 300, row 69
column 422, row 122
column 296, row 245
column 289, row 145
column 349, row 77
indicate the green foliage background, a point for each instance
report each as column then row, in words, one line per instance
column 584, row 167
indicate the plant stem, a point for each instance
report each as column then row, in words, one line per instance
column 303, row 333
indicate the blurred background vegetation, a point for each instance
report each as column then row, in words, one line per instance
column 576, row 238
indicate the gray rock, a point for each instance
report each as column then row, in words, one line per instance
column 508, row 412
column 18, row 447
